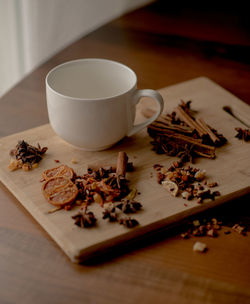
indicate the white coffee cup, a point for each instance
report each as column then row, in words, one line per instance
column 91, row 102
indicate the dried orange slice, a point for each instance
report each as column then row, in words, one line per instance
column 59, row 191
column 62, row 170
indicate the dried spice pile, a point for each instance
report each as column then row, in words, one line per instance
column 217, row 222
column 101, row 186
column 243, row 134
column 110, row 190
column 104, row 186
column 181, row 134
column 209, row 226
column 26, row 156
column 189, row 182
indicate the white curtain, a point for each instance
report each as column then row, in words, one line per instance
column 31, row 31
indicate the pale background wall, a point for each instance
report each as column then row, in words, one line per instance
column 31, row 31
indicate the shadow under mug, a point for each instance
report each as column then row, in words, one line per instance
column 92, row 102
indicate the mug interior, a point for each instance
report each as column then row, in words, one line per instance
column 91, row 79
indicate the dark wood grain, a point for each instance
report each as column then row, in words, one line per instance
column 164, row 45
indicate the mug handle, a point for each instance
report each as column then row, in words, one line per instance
column 147, row 93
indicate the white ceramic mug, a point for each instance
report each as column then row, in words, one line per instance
column 91, row 102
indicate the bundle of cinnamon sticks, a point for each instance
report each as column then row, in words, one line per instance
column 181, row 134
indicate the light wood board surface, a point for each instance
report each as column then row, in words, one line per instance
column 230, row 169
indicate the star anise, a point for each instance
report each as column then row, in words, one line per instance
column 128, row 206
column 111, row 213
column 128, row 222
column 84, row 219
column 243, row 134
column 187, row 154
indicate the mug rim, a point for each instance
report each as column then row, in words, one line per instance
column 90, row 59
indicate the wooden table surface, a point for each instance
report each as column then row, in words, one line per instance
column 164, row 45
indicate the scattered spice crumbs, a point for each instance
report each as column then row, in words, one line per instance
column 204, row 227
column 210, row 227
column 239, row 229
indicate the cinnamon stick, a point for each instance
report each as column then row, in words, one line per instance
column 211, row 134
column 161, row 126
column 184, row 116
column 170, row 133
column 199, row 148
column 121, row 166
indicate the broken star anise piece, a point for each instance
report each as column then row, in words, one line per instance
column 110, row 213
column 84, row 219
column 128, row 222
column 128, row 206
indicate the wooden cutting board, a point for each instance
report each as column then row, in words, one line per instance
column 231, row 169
